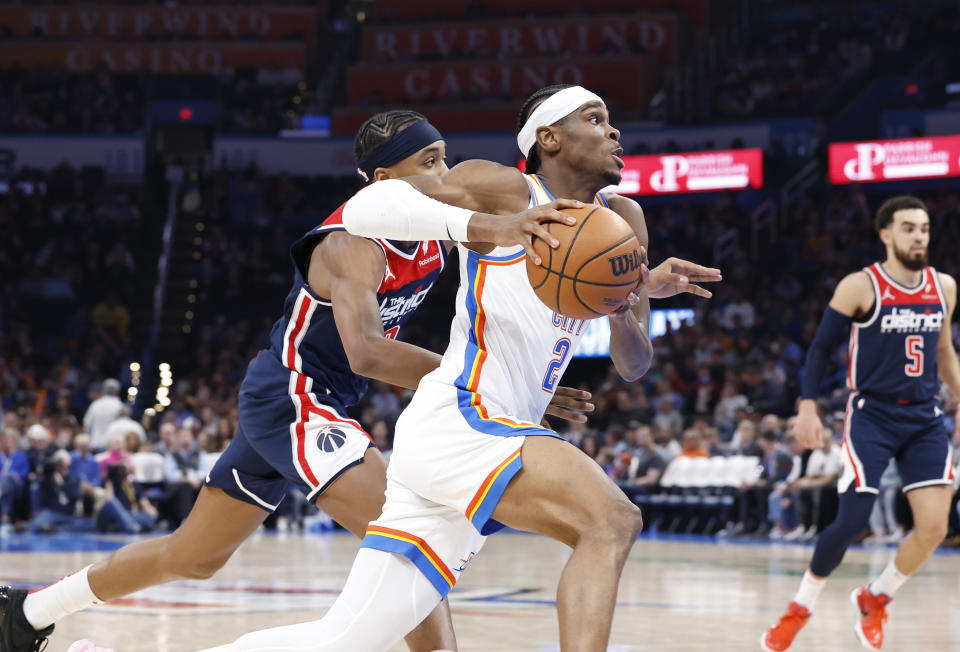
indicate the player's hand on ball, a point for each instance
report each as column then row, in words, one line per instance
column 633, row 298
column 676, row 276
column 521, row 228
column 570, row 404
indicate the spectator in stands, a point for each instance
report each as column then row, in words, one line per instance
column 116, row 453
column 738, row 313
column 710, row 440
column 667, row 446
column 123, row 425
column 126, row 509
column 744, row 441
column 724, row 415
column 626, row 409
column 41, row 448
column 647, row 466
column 753, row 500
column 692, row 444
column 816, row 490
column 183, row 476
column 380, row 431
column 85, row 468
column 167, row 439
column 102, row 412
column 210, row 447
column 58, row 498
column 574, row 432
column 781, row 507
column 668, row 418
column 14, row 472
column 384, row 401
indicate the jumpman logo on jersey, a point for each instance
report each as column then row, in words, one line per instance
column 388, row 273
column 887, row 295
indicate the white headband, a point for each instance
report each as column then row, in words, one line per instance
column 554, row 108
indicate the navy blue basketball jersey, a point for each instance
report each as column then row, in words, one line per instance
column 305, row 341
column 893, row 354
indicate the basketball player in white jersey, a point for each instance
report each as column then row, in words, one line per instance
column 469, row 456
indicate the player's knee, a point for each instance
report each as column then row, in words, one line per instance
column 204, row 568
column 619, row 524
column 192, row 564
column 931, row 534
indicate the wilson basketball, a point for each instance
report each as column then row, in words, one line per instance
column 593, row 270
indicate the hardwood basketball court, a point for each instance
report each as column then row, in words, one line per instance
column 678, row 594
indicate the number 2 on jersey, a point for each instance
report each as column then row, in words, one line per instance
column 914, row 346
column 561, row 349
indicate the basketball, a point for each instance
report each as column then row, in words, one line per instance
column 593, row 270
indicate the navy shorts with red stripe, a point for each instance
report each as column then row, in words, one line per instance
column 912, row 433
column 286, row 436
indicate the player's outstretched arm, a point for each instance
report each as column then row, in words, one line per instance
column 477, row 202
column 630, row 347
column 348, row 269
column 677, row 276
column 947, row 364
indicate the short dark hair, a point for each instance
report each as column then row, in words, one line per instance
column 533, row 156
column 380, row 128
column 894, row 204
column 769, row 435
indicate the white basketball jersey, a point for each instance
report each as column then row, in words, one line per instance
column 507, row 349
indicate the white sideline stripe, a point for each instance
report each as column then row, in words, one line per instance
column 260, row 501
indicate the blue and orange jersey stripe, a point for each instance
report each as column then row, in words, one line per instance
column 488, row 495
column 416, row 550
column 469, row 400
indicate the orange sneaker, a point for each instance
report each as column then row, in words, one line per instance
column 873, row 615
column 781, row 634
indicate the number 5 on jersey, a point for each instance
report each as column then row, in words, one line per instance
column 914, row 346
column 561, row 349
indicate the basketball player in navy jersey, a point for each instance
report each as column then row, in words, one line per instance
column 350, row 297
column 468, row 457
column 898, row 315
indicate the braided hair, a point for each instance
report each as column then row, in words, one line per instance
column 380, row 128
column 533, row 156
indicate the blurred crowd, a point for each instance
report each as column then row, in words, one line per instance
column 54, row 100
column 721, row 388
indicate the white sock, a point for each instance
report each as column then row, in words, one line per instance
column 809, row 590
column 889, row 582
column 48, row 605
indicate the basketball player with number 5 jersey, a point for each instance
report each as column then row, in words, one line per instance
column 898, row 313
column 469, row 456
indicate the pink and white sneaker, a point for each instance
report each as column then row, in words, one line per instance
column 86, row 645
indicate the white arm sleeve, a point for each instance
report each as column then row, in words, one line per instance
column 396, row 210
